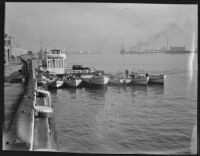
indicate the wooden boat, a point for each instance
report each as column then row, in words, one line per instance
column 96, row 78
column 139, row 79
column 72, row 81
column 54, row 82
column 156, row 79
column 119, row 81
column 43, row 106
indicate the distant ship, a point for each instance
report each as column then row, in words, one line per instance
column 138, row 51
column 177, row 50
column 171, row 50
column 131, row 51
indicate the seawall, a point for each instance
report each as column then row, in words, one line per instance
column 24, row 130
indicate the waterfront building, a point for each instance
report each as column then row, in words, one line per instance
column 12, row 49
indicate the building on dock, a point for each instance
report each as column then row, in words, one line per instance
column 55, row 61
column 12, row 49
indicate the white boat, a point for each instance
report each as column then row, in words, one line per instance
column 156, row 79
column 127, row 80
column 54, row 83
column 119, row 81
column 44, row 107
column 139, row 79
column 72, row 82
column 98, row 80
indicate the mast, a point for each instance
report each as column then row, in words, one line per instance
column 41, row 44
column 167, row 42
column 11, row 38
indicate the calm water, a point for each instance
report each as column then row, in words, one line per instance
column 132, row 119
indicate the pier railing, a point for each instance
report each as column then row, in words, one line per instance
column 22, row 132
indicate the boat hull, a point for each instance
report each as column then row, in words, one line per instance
column 140, row 81
column 156, row 79
column 55, row 84
column 98, row 80
column 41, row 82
column 73, row 83
column 118, row 81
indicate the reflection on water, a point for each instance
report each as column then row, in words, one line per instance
column 155, row 90
column 96, row 92
column 139, row 90
column 129, row 119
column 72, row 90
column 53, row 91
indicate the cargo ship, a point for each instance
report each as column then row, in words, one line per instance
column 177, row 50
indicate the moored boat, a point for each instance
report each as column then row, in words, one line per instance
column 43, row 106
column 156, row 79
column 96, row 78
column 55, row 61
column 139, row 79
column 54, row 83
column 119, row 81
column 72, row 81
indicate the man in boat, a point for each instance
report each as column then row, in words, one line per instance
column 126, row 72
column 132, row 75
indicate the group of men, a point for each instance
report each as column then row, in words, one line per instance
column 132, row 75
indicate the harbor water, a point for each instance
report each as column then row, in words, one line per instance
column 130, row 119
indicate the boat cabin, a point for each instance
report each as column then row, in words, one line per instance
column 56, row 61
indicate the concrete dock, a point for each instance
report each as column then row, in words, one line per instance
column 21, row 131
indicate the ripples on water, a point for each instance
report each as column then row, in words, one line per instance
column 131, row 119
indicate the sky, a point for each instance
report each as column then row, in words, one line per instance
column 101, row 27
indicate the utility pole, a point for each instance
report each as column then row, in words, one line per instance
column 10, row 38
column 167, row 44
column 41, row 44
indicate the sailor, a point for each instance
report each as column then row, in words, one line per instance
column 47, row 74
column 132, row 75
column 126, row 72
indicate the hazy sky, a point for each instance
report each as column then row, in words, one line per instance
column 101, row 27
